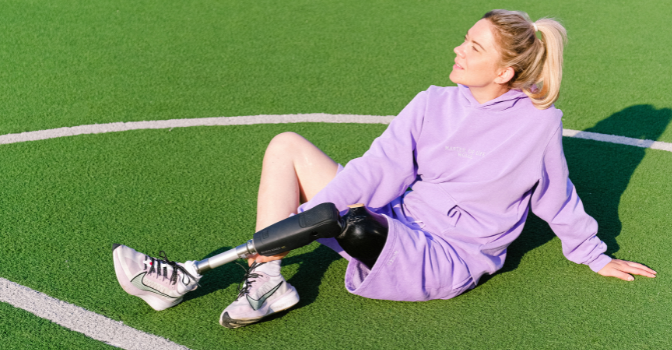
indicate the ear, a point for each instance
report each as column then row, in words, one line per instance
column 504, row 75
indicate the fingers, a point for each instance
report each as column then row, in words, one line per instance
column 635, row 268
column 251, row 259
column 625, row 269
column 638, row 269
column 261, row 258
column 622, row 275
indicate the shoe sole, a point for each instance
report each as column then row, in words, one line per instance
column 156, row 302
column 287, row 301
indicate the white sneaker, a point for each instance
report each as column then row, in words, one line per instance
column 261, row 295
column 160, row 282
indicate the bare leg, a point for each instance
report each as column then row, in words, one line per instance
column 294, row 170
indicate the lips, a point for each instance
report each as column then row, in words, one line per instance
column 457, row 66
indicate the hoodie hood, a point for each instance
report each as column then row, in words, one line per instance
column 501, row 103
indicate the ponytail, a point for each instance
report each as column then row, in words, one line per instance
column 537, row 62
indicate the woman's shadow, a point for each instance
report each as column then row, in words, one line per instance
column 601, row 173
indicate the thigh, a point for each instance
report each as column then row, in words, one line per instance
column 314, row 169
column 294, row 170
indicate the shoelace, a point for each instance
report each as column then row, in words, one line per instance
column 247, row 282
column 155, row 267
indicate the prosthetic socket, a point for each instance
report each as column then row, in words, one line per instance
column 361, row 233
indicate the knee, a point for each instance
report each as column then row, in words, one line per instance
column 285, row 143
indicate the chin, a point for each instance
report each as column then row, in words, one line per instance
column 454, row 77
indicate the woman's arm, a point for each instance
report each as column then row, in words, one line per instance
column 555, row 200
column 385, row 171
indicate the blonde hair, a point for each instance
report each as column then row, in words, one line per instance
column 537, row 63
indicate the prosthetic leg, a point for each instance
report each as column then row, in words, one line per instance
column 360, row 233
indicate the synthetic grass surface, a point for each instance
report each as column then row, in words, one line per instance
column 181, row 191
column 192, row 192
column 20, row 329
column 72, row 62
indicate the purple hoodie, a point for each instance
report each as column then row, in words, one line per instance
column 473, row 169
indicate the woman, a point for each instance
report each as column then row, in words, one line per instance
column 475, row 156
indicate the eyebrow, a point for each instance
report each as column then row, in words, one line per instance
column 475, row 42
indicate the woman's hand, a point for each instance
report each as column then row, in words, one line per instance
column 625, row 269
column 261, row 258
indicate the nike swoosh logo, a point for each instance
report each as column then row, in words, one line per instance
column 137, row 281
column 185, row 280
column 256, row 304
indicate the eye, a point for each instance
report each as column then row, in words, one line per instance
column 474, row 47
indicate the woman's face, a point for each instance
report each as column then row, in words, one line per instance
column 477, row 62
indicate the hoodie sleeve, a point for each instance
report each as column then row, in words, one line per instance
column 385, row 171
column 555, row 201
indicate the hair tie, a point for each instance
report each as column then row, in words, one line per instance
column 535, row 27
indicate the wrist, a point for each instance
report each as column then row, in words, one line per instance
column 599, row 263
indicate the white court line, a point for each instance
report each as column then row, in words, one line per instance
column 278, row 119
column 81, row 320
column 181, row 123
column 664, row 146
column 117, row 334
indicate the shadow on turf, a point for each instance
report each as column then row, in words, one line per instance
column 312, row 266
column 219, row 278
column 601, row 173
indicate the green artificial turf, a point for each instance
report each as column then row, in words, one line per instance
column 20, row 329
column 72, row 62
column 182, row 191
column 192, row 192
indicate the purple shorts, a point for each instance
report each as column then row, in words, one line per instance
column 414, row 265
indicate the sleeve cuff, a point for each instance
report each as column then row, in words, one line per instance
column 599, row 263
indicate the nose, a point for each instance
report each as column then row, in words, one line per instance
column 459, row 51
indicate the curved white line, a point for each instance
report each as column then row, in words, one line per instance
column 279, row 119
column 81, row 320
column 115, row 333
column 181, row 123
column 664, row 146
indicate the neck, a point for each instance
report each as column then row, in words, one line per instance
column 483, row 94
